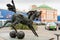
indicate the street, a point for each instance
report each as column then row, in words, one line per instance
column 43, row 34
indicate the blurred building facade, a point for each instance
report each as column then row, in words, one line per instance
column 4, row 16
column 48, row 14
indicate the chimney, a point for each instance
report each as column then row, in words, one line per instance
column 34, row 6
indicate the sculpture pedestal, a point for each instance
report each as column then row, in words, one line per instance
column 57, row 36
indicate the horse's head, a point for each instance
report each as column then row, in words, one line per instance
column 38, row 13
column 34, row 14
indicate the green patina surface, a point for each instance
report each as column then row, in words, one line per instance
column 43, row 6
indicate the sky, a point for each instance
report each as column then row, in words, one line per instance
column 26, row 4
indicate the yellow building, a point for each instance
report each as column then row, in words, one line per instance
column 48, row 14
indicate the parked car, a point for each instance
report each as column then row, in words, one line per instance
column 43, row 23
column 51, row 26
column 37, row 22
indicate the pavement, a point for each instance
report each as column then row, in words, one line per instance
column 43, row 34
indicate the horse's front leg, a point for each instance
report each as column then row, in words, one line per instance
column 13, row 25
column 9, row 21
column 32, row 29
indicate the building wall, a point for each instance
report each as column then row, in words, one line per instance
column 58, row 18
column 48, row 15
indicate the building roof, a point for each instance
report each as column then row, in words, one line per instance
column 43, row 6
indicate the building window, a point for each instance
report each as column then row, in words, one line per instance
column 44, row 16
column 49, row 15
